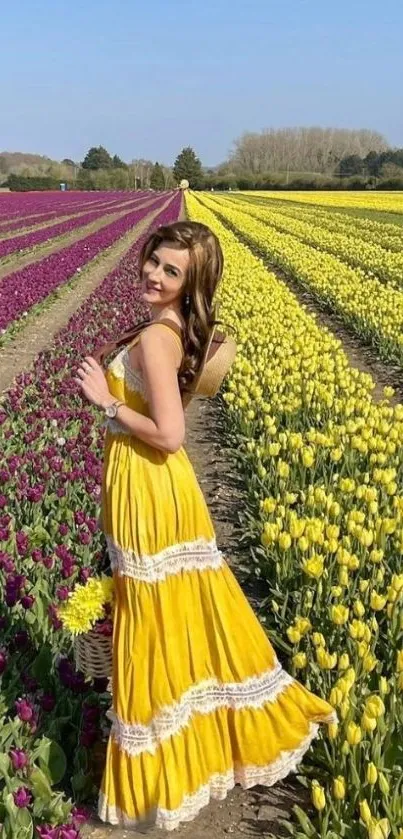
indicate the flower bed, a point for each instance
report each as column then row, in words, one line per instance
column 322, row 466
column 37, row 237
column 49, row 542
column 20, row 290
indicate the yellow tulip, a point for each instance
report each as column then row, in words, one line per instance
column 374, row 707
column 343, row 576
column 354, row 734
column 318, row 796
column 339, row 788
column 293, row 635
column 372, row 774
column 379, row 830
column 300, row 660
column 336, row 697
column 383, row 686
column 365, row 812
column 333, row 729
column 359, row 609
column 284, row 541
column 383, row 784
column 313, row 567
column 399, row 662
column 339, row 614
column 368, row 723
column 318, row 639
column 369, row 662
column 303, row 625
column 344, row 661
column 378, row 601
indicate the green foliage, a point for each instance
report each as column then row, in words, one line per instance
column 157, row 180
column 20, row 183
column 187, row 166
column 97, row 158
column 118, row 163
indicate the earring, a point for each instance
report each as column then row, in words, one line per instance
column 187, row 300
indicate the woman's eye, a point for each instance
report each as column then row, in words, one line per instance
column 171, row 272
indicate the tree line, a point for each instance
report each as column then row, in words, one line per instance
column 295, row 158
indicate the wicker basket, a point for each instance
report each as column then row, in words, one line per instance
column 93, row 654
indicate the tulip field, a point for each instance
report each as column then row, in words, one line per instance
column 322, row 464
column 320, row 458
column 51, row 719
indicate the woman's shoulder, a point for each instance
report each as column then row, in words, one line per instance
column 170, row 333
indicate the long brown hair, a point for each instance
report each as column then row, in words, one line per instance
column 205, row 269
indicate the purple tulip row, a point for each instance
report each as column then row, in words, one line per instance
column 22, row 289
column 50, row 487
column 40, row 217
column 24, row 203
column 36, row 237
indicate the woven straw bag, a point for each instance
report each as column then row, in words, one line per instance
column 93, row 654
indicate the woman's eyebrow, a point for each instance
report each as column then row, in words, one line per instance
column 174, row 267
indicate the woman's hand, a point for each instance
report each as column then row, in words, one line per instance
column 94, row 386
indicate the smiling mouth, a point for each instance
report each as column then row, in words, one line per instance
column 151, row 287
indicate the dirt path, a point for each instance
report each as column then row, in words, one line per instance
column 15, row 262
column 18, row 354
column 254, row 812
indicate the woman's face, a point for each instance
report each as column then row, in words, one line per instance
column 164, row 275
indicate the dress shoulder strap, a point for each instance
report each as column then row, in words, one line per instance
column 175, row 328
column 129, row 338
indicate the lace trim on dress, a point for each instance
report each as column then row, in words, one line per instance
column 217, row 787
column 203, row 698
column 187, row 556
column 121, row 369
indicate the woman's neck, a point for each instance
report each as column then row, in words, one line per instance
column 161, row 312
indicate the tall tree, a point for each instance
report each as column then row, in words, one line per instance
column 118, row 163
column 187, row 166
column 97, row 158
column 157, row 180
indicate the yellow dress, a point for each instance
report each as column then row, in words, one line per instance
column 200, row 701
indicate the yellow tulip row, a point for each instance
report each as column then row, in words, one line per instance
column 373, row 309
column 322, row 463
column 385, row 202
column 371, row 257
column 388, row 236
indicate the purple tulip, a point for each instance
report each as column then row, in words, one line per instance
column 27, row 601
column 79, row 816
column 48, row 562
column 24, row 709
column 47, row 702
column 62, row 593
column 22, row 543
column 21, row 639
column 36, row 555
column 3, row 501
column 22, row 797
column 63, row 529
column 79, row 517
column 3, row 661
column 19, row 759
column 68, row 832
column 46, row 831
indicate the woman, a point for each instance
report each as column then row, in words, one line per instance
column 200, row 701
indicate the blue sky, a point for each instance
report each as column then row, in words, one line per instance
column 145, row 78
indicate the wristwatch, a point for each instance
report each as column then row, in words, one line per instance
column 111, row 410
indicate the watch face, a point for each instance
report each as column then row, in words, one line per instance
column 111, row 411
